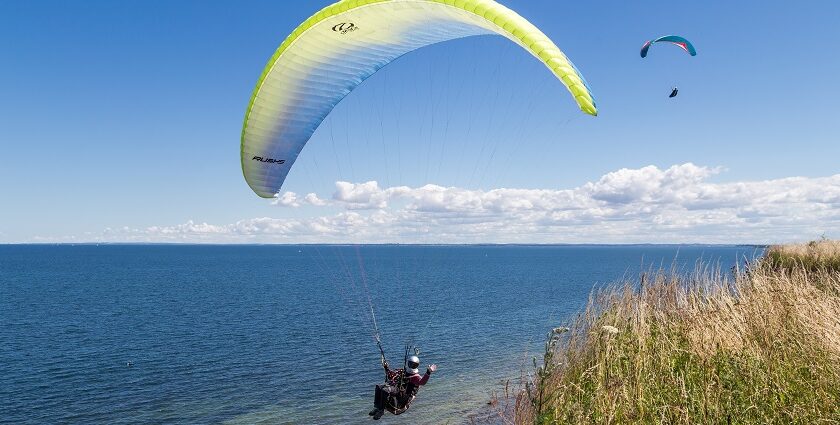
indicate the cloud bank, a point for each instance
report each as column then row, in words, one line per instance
column 679, row 204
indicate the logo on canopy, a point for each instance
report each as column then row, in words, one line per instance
column 269, row 160
column 345, row 27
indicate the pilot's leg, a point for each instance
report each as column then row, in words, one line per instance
column 378, row 401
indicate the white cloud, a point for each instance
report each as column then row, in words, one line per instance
column 678, row 204
column 312, row 199
column 287, row 199
column 360, row 195
column 290, row 199
column 649, row 184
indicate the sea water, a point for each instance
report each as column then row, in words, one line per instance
column 154, row 334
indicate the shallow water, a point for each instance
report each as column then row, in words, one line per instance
column 281, row 334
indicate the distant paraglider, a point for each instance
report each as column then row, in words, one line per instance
column 673, row 39
column 676, row 40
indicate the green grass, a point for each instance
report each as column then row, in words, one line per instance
column 762, row 346
column 813, row 256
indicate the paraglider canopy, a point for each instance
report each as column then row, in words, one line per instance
column 335, row 50
column 673, row 39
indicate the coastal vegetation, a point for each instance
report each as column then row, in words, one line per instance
column 756, row 344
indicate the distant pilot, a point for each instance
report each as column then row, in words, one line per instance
column 674, row 92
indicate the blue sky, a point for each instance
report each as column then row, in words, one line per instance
column 126, row 116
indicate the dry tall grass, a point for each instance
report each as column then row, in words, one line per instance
column 813, row 255
column 760, row 345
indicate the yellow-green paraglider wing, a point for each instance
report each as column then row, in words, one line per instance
column 336, row 49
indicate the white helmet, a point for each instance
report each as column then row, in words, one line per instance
column 413, row 362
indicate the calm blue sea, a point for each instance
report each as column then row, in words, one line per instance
column 282, row 334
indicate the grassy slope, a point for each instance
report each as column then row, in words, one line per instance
column 760, row 347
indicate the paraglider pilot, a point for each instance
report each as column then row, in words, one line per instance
column 674, row 92
column 400, row 388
